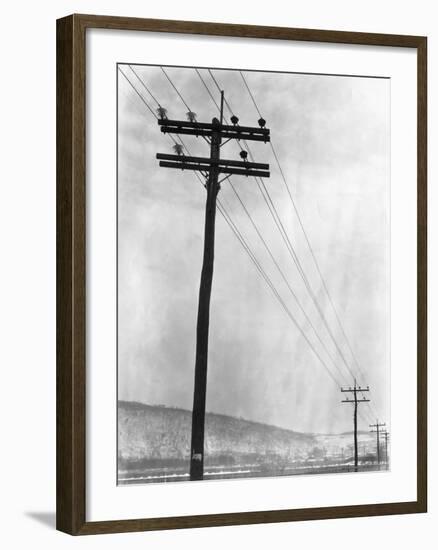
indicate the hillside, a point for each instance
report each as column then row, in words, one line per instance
column 158, row 437
column 163, row 432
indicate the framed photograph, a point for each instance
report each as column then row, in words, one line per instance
column 241, row 274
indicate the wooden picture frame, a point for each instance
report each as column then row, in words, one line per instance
column 71, row 271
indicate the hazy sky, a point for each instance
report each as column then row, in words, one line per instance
column 331, row 135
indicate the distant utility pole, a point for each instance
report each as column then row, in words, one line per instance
column 355, row 401
column 377, row 431
column 385, row 434
column 211, row 167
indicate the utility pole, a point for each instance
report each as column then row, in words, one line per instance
column 377, row 431
column 216, row 134
column 355, row 402
column 385, row 434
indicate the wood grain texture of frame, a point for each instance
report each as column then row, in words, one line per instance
column 71, row 269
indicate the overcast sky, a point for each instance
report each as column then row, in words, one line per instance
column 331, row 135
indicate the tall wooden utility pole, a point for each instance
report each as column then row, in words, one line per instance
column 355, row 401
column 377, row 431
column 211, row 167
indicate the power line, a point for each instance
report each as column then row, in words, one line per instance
column 268, row 281
column 255, row 227
column 178, row 138
column 306, row 236
column 215, row 81
column 208, row 89
column 250, row 94
column 276, row 292
column 175, row 88
column 295, row 258
column 145, row 87
column 341, row 326
column 259, row 182
column 286, row 309
column 315, row 261
column 283, row 276
column 145, row 102
column 289, row 246
column 139, row 95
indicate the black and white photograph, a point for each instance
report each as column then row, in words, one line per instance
column 215, row 278
column 253, row 274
